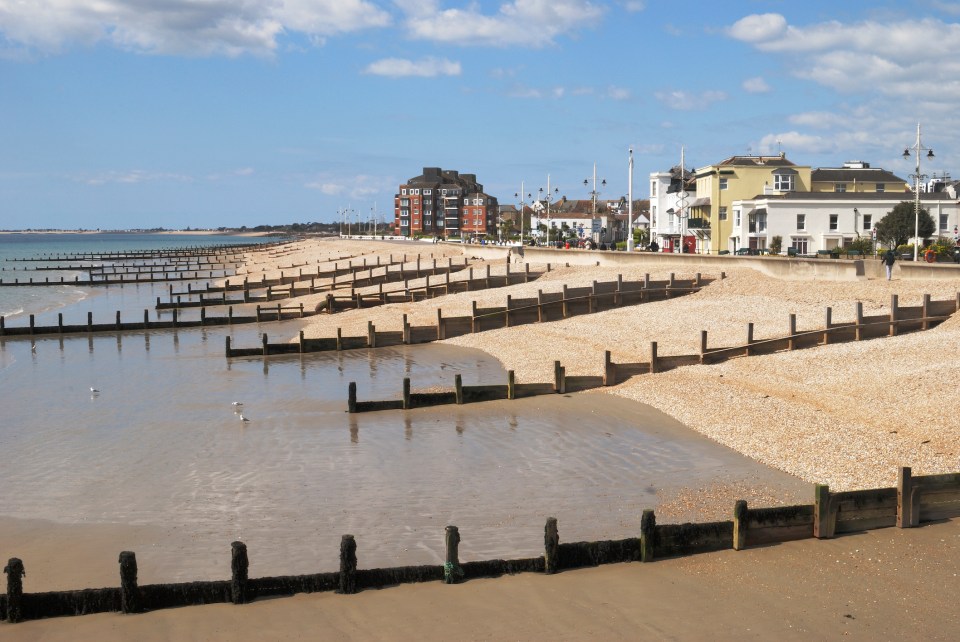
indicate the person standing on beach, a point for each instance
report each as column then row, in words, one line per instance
column 889, row 258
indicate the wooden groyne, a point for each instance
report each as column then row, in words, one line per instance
column 549, row 306
column 334, row 277
column 235, row 249
column 898, row 321
column 914, row 501
column 263, row 314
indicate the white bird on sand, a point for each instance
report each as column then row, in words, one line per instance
column 94, row 390
column 244, row 419
column 237, row 403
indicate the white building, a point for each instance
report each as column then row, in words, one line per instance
column 814, row 221
column 669, row 207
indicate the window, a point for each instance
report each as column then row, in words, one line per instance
column 868, row 222
column 736, row 218
column 761, row 221
column 723, row 183
column 881, row 187
column 943, row 221
column 427, row 192
column 653, row 188
column 405, row 202
column 834, row 221
column 799, row 244
column 415, row 192
column 802, row 223
column 840, row 187
column 723, row 212
column 444, row 192
column 783, row 182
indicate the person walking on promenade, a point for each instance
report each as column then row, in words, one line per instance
column 889, row 258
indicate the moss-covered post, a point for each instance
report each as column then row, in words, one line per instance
column 458, row 389
column 406, row 393
column 740, row 525
column 824, row 520
column 129, row 591
column 511, row 385
column 15, row 572
column 348, row 565
column 648, row 532
column 452, row 573
column 551, row 547
column 239, row 569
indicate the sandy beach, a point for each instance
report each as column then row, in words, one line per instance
column 847, row 415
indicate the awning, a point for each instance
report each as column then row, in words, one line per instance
column 700, row 202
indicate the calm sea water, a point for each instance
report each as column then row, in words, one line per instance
column 160, row 445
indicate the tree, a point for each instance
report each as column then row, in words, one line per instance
column 897, row 227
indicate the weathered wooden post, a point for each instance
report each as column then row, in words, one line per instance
column 89, row 321
column 749, row 339
column 406, row 393
column 458, row 389
column 474, row 321
column 740, row 525
column 824, row 520
column 371, row 335
column 551, row 546
column 203, row 316
column 339, row 339
column 452, row 573
column 129, row 591
column 60, row 322
column 893, row 314
column 609, row 370
column 230, row 315
column 32, row 324
column 792, row 330
column 440, row 333
column 557, row 377
column 564, row 306
column 925, row 324
column 405, row 334
column 511, row 385
column 827, row 324
column 648, row 533
column 239, row 570
column 506, row 312
column 348, row 565
column 858, row 326
column 266, row 347
column 228, row 348
column 539, row 306
column 653, row 357
column 908, row 510
column 15, row 572
column 352, row 397
column 703, row 346
column 301, row 342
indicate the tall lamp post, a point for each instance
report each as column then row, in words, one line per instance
column 917, row 177
column 594, row 193
column 630, row 203
column 523, row 204
column 549, row 196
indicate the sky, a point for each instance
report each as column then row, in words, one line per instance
column 121, row 114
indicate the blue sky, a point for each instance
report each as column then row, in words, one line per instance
column 202, row 113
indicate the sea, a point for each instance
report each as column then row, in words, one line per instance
column 140, row 429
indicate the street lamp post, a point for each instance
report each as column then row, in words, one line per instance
column 594, row 193
column 917, row 177
column 549, row 196
column 630, row 203
column 523, row 204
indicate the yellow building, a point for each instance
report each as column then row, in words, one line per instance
column 741, row 178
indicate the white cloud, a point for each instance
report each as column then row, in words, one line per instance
column 796, row 142
column 425, row 67
column 759, row 27
column 687, row 101
column 328, row 188
column 358, row 187
column 532, row 23
column 132, row 176
column 618, row 93
column 756, row 85
column 180, row 27
column 633, row 6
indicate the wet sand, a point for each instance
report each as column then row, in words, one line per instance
column 882, row 584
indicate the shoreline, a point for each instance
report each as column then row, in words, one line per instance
column 144, row 232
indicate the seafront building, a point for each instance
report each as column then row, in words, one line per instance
column 742, row 202
column 444, row 203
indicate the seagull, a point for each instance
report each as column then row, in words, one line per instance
column 94, row 390
column 244, row 419
column 237, row 403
